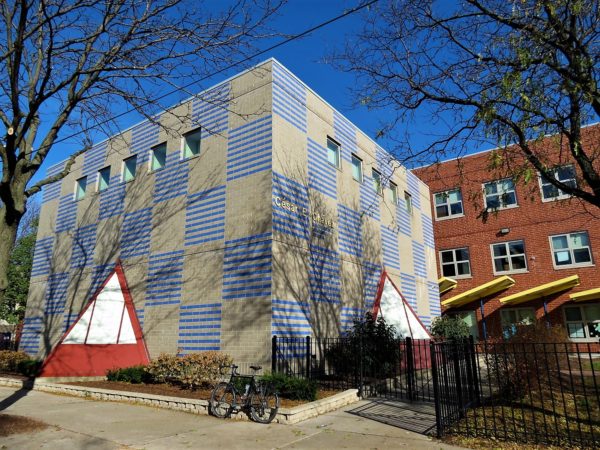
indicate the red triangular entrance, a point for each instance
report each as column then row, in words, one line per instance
column 106, row 335
column 394, row 308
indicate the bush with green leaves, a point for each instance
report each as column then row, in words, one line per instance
column 449, row 328
column 19, row 362
column 371, row 340
column 133, row 374
column 292, row 388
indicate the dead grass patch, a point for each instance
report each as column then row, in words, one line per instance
column 11, row 424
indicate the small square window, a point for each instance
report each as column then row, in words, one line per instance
column 455, row 263
column 564, row 174
column 509, row 257
column 377, row 182
column 357, row 173
column 103, row 179
column 571, row 249
column 129, row 168
column 448, row 204
column 191, row 144
column 159, row 157
column 80, row 186
column 500, row 194
column 333, row 153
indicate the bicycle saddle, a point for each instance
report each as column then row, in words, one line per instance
column 256, row 367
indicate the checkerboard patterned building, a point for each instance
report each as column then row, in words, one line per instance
column 254, row 209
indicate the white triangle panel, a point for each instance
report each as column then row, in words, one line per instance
column 396, row 312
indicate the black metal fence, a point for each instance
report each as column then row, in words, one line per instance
column 532, row 393
column 537, row 393
column 401, row 370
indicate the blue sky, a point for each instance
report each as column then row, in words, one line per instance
column 306, row 58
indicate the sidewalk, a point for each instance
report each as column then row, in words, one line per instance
column 78, row 423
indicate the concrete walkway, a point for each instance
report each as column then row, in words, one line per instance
column 86, row 424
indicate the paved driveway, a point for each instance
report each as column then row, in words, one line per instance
column 87, row 424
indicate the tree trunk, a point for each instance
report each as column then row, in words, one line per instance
column 8, row 236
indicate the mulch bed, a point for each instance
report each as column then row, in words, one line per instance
column 10, row 424
column 176, row 391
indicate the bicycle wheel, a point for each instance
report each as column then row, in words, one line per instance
column 222, row 400
column 264, row 406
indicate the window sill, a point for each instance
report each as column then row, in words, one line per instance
column 455, row 216
column 556, row 199
column 182, row 159
column 574, row 266
column 459, row 277
column 502, row 208
column 512, row 272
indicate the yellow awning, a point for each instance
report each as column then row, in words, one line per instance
column 542, row 290
column 484, row 290
column 446, row 284
column 590, row 294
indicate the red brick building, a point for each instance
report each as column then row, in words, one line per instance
column 512, row 252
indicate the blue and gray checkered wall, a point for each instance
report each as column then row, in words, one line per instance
column 256, row 236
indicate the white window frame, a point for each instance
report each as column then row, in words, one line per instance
column 570, row 249
column 561, row 195
column 338, row 152
column 511, row 270
column 75, row 193
column 583, row 320
column 408, row 202
column 195, row 133
column 124, row 165
column 99, row 178
column 393, row 188
column 455, row 263
column 152, row 150
column 352, row 158
column 379, row 189
column 447, row 203
column 516, row 204
column 524, row 308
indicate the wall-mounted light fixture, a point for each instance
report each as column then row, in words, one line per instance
column 504, row 231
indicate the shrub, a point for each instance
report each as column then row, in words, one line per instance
column 449, row 328
column 375, row 340
column 10, row 360
column 528, row 359
column 191, row 371
column 29, row 367
column 134, row 375
column 292, row 388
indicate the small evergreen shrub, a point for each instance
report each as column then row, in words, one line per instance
column 449, row 328
column 10, row 360
column 29, row 367
column 134, row 375
column 292, row 388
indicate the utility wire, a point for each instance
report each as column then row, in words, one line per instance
column 231, row 66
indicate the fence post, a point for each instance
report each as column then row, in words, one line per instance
column 361, row 366
column 474, row 365
column 455, row 346
column 436, row 390
column 410, row 369
column 308, row 352
column 274, row 354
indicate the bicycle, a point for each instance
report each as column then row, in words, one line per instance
column 259, row 399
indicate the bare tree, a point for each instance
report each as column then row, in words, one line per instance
column 506, row 73
column 68, row 65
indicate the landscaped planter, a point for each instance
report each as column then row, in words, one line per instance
column 284, row 415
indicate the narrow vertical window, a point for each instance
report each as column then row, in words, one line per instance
column 377, row 182
column 408, row 202
column 103, row 178
column 129, row 168
column 333, row 153
column 191, row 144
column 159, row 157
column 393, row 192
column 80, row 186
column 357, row 173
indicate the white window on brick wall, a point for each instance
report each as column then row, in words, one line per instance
column 571, row 250
column 564, row 174
column 448, row 204
column 509, row 257
column 583, row 322
column 500, row 194
column 455, row 263
column 511, row 318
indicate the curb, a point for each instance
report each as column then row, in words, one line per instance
column 286, row 416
